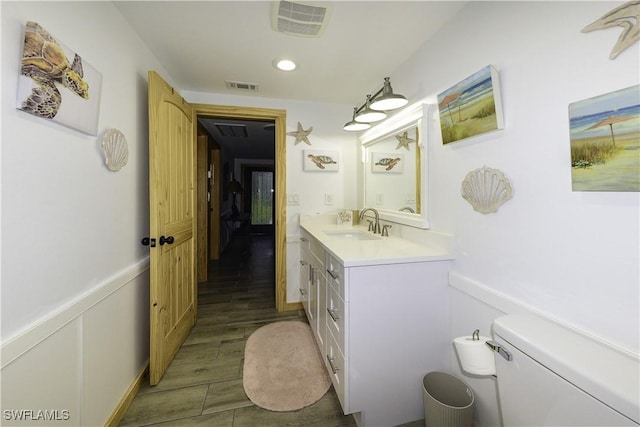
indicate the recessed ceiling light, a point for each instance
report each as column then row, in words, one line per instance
column 284, row 64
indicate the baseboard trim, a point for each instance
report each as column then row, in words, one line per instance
column 130, row 394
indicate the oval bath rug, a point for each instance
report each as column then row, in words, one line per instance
column 283, row 369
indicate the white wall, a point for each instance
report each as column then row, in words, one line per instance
column 74, row 275
column 573, row 256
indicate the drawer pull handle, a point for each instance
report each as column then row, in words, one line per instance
column 303, row 262
column 334, row 275
column 302, row 291
column 333, row 314
column 334, row 368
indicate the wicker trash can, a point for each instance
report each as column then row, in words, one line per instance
column 448, row 402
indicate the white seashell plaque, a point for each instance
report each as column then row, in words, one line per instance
column 114, row 147
column 486, row 189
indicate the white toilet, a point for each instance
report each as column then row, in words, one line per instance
column 558, row 377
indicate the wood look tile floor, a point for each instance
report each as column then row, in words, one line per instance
column 203, row 385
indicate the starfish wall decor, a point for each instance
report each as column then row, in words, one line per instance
column 404, row 140
column 301, row 135
column 625, row 16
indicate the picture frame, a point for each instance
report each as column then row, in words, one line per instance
column 321, row 160
column 471, row 107
column 605, row 142
column 59, row 85
column 387, row 162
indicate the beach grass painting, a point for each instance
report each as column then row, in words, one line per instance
column 605, row 142
column 471, row 107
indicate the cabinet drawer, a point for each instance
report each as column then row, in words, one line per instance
column 335, row 274
column 335, row 315
column 334, row 360
column 318, row 251
column 305, row 240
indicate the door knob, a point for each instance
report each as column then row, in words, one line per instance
column 168, row 240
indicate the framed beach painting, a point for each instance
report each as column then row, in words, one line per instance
column 56, row 83
column 471, row 107
column 605, row 142
column 320, row 160
column 387, row 162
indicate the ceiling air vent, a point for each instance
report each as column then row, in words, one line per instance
column 305, row 19
column 253, row 87
column 232, row 130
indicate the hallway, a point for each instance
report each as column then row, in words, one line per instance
column 203, row 385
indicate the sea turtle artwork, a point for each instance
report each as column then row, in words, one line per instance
column 321, row 161
column 388, row 163
column 45, row 62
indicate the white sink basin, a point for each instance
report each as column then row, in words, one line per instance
column 352, row 235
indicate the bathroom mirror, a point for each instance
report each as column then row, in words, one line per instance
column 394, row 163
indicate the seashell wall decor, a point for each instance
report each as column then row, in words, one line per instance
column 486, row 189
column 115, row 149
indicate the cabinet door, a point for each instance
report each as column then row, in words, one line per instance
column 312, row 312
column 305, row 275
column 321, row 334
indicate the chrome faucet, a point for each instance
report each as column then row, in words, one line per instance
column 376, row 225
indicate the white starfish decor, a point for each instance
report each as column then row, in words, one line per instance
column 625, row 16
column 301, row 135
column 404, row 141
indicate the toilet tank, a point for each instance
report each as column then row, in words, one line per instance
column 560, row 377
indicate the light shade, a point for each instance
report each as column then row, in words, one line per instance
column 354, row 126
column 367, row 115
column 388, row 100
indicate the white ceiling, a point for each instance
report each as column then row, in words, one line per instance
column 203, row 43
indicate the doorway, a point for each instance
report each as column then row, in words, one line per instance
column 278, row 117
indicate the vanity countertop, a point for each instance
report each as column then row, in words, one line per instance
column 376, row 251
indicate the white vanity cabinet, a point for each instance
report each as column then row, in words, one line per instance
column 386, row 325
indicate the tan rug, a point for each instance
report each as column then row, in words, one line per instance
column 283, row 368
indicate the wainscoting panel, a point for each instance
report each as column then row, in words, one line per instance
column 42, row 385
column 72, row 367
column 115, row 337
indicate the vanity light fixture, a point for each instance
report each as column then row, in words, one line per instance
column 353, row 125
column 374, row 108
column 388, row 100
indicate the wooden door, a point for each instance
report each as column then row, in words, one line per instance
column 172, row 157
column 214, row 204
column 202, row 172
